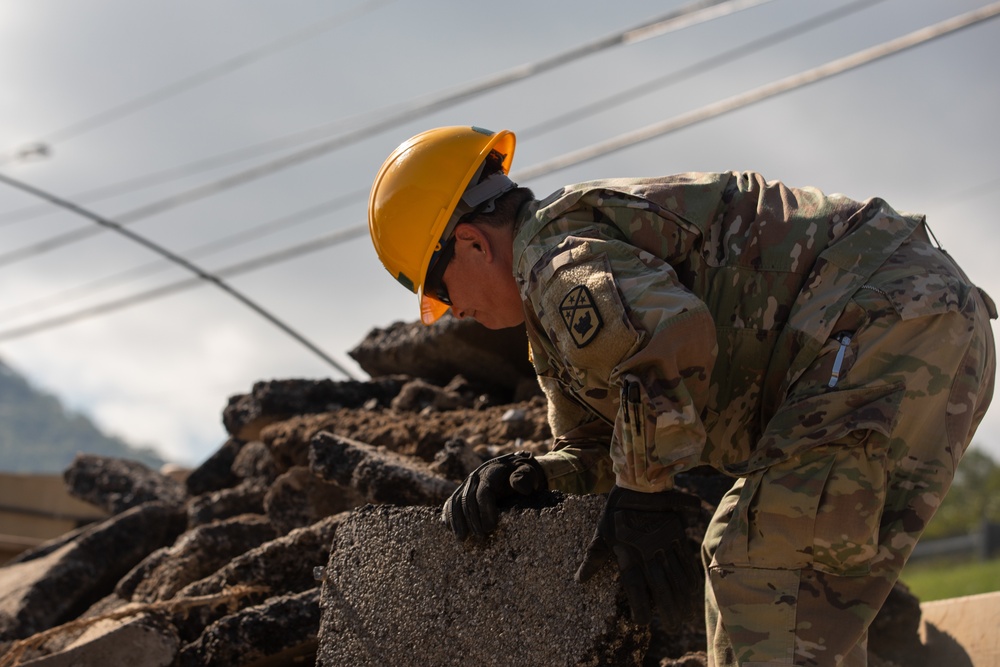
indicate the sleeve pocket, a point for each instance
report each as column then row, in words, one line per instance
column 586, row 318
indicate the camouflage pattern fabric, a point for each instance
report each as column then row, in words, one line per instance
column 801, row 555
column 706, row 296
column 820, row 349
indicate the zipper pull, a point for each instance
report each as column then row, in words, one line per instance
column 838, row 361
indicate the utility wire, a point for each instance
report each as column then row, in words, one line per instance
column 762, row 93
column 544, row 127
column 559, row 121
column 690, row 14
column 169, row 174
column 700, row 67
column 224, row 243
column 198, row 78
column 177, row 259
column 110, row 306
column 710, row 111
column 562, row 120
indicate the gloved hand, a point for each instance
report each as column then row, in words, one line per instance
column 645, row 532
column 472, row 507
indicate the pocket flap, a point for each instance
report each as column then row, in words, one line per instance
column 823, row 418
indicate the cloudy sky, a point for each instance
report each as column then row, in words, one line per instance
column 143, row 103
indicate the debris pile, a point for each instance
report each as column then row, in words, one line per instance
column 312, row 536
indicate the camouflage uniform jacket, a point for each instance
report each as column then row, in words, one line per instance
column 671, row 315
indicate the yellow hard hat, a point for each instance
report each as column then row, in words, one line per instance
column 413, row 202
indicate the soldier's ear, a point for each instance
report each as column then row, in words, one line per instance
column 474, row 240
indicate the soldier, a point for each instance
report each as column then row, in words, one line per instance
column 822, row 351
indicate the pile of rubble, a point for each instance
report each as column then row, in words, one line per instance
column 312, row 536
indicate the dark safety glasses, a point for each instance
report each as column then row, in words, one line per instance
column 434, row 284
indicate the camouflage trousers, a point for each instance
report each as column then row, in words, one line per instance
column 800, row 556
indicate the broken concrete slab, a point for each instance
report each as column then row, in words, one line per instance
column 380, row 476
column 288, row 440
column 247, row 497
column 399, row 589
column 411, row 433
column 419, row 395
column 283, row 626
column 144, row 641
column 51, row 589
column 298, row 498
column 254, row 461
column 196, row 554
column 456, row 460
column 216, row 472
column 495, row 358
column 276, row 400
column 116, row 485
column 284, row 565
column 47, row 547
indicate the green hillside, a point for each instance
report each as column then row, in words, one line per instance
column 37, row 434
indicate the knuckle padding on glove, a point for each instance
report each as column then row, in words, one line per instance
column 473, row 506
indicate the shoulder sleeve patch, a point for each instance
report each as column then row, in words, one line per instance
column 581, row 312
column 581, row 316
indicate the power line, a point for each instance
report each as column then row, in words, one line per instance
column 160, row 250
column 690, row 14
column 224, row 243
column 710, row 111
column 700, row 67
column 110, row 306
column 762, row 93
column 199, row 78
column 559, row 121
column 136, row 183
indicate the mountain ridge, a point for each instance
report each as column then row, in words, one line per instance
column 38, row 434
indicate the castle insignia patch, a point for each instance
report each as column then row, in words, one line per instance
column 580, row 315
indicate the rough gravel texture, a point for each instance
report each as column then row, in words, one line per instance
column 498, row 358
column 116, row 485
column 38, row 593
column 380, row 476
column 197, row 554
column 400, row 590
column 280, row 626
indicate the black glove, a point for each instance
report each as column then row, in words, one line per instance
column 472, row 507
column 645, row 531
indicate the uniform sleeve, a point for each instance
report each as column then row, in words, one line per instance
column 638, row 349
column 580, row 459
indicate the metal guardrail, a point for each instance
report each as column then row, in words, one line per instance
column 984, row 544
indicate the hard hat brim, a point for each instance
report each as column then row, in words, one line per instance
column 431, row 310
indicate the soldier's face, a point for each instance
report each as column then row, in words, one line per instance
column 481, row 286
